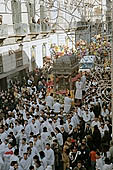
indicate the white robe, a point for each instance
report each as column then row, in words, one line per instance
column 57, row 107
column 99, row 163
column 78, row 94
column 38, row 124
column 2, row 149
column 27, row 130
column 25, row 164
column 104, row 113
column 86, row 117
column 79, row 111
column 49, row 168
column 1, row 164
column 45, row 138
column 95, row 123
column 74, row 120
column 102, row 130
column 14, row 158
column 67, row 104
column 11, row 168
column 44, row 124
column 34, row 151
column 49, row 154
column 34, row 128
column 66, row 126
column 3, row 136
column 107, row 167
column 44, row 162
column 60, row 139
column 40, row 168
column 7, row 154
column 38, row 145
column 19, row 137
column 22, row 149
column 49, row 101
column 83, row 80
column 92, row 115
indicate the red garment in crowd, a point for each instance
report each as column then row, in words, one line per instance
column 93, row 156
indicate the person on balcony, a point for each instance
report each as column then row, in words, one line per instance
column 1, row 18
column 33, row 20
column 38, row 21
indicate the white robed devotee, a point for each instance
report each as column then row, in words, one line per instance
column 50, row 100
column 83, row 80
column 67, row 104
column 78, row 94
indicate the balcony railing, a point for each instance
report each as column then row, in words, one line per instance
column 3, row 30
column 20, row 29
column 34, row 28
column 45, row 27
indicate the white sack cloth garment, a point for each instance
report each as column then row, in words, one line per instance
column 78, row 94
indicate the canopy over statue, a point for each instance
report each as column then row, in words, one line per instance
column 64, row 68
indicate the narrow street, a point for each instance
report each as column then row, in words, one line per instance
column 56, row 80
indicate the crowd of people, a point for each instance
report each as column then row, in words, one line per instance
column 37, row 132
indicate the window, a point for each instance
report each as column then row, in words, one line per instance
column 19, row 58
column 16, row 11
column 1, row 64
column 31, row 11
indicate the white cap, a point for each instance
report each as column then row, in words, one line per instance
column 50, row 120
column 41, row 119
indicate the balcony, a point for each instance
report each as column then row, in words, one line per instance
column 45, row 28
column 20, row 29
column 34, row 30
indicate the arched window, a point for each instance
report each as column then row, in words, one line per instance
column 31, row 11
column 16, row 11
